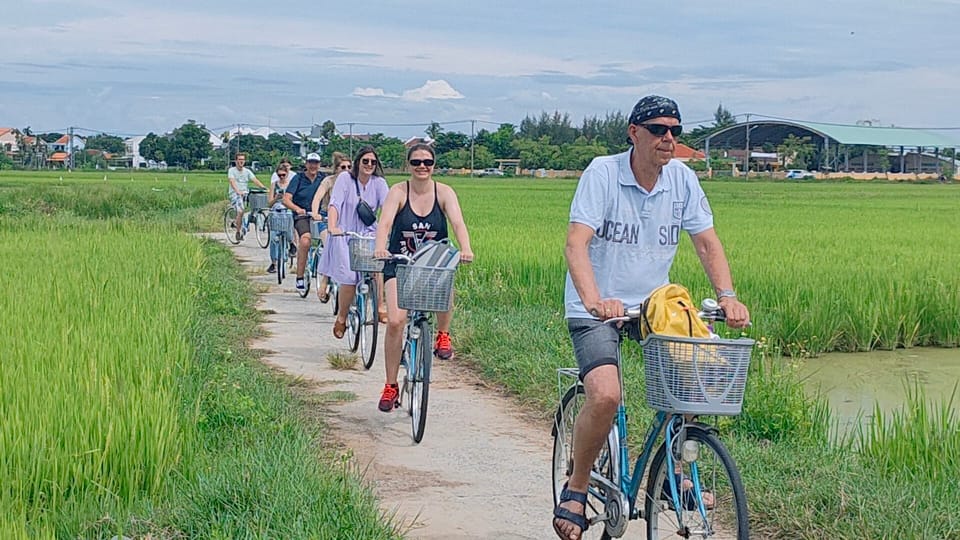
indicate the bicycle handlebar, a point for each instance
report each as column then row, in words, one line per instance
column 396, row 257
column 710, row 311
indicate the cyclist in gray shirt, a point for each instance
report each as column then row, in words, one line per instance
column 625, row 223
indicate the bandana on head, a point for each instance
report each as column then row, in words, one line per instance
column 654, row 107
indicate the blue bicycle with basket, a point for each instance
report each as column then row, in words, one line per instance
column 693, row 488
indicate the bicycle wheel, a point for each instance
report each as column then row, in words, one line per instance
column 605, row 465
column 261, row 227
column 306, row 276
column 314, row 264
column 420, row 383
column 371, row 325
column 230, row 224
column 335, row 296
column 407, row 366
column 717, row 474
column 354, row 322
column 280, row 239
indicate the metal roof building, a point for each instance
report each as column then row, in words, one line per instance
column 833, row 141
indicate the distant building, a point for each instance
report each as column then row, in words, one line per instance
column 685, row 153
column 64, row 144
column 417, row 140
column 132, row 151
column 8, row 140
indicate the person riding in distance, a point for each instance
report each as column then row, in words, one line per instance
column 277, row 189
column 321, row 202
column 298, row 198
column 239, row 178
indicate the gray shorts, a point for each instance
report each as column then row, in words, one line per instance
column 594, row 343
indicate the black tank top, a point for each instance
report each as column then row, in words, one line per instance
column 410, row 230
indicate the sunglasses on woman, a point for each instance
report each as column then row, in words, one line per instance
column 344, row 167
column 281, row 175
column 418, row 162
column 660, row 130
column 367, row 161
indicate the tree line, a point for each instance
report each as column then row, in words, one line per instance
column 547, row 141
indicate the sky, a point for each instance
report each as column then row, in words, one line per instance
column 133, row 66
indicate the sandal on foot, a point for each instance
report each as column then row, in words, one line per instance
column 323, row 296
column 383, row 317
column 580, row 520
column 339, row 329
column 688, row 500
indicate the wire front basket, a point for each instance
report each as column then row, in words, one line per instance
column 258, row 200
column 696, row 376
column 425, row 288
column 361, row 255
column 281, row 221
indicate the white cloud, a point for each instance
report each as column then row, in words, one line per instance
column 440, row 89
column 372, row 92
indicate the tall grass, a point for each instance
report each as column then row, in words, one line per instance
column 94, row 341
column 824, row 267
column 130, row 403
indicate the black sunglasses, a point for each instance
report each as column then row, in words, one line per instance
column 366, row 161
column 281, row 175
column 418, row 162
column 344, row 167
column 660, row 130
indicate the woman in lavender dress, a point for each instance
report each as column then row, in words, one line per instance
column 367, row 177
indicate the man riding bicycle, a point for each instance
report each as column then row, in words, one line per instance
column 625, row 223
column 239, row 178
column 298, row 198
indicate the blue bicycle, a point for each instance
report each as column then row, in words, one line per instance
column 422, row 289
column 363, row 321
column 281, row 236
column 313, row 255
column 693, row 488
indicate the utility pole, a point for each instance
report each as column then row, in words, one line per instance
column 70, row 147
column 351, row 139
column 472, row 137
column 746, row 156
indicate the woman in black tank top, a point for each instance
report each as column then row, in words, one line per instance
column 415, row 211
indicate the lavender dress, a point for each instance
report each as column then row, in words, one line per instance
column 335, row 262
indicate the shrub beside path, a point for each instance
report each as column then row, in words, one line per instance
column 481, row 471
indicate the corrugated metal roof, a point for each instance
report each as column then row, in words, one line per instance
column 776, row 130
column 882, row 136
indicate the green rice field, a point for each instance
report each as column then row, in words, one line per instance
column 130, row 404
column 823, row 267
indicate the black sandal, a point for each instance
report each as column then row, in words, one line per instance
column 580, row 520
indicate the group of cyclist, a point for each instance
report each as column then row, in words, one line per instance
column 625, row 222
column 412, row 212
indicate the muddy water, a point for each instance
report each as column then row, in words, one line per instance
column 854, row 382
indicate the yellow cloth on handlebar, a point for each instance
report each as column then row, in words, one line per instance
column 669, row 311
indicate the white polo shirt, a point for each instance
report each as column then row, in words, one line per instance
column 636, row 231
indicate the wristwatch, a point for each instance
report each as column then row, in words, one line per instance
column 726, row 293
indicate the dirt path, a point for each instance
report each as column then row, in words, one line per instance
column 481, row 471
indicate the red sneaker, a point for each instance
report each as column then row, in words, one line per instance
column 442, row 347
column 388, row 399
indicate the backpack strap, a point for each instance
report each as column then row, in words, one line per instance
column 686, row 310
column 645, row 328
